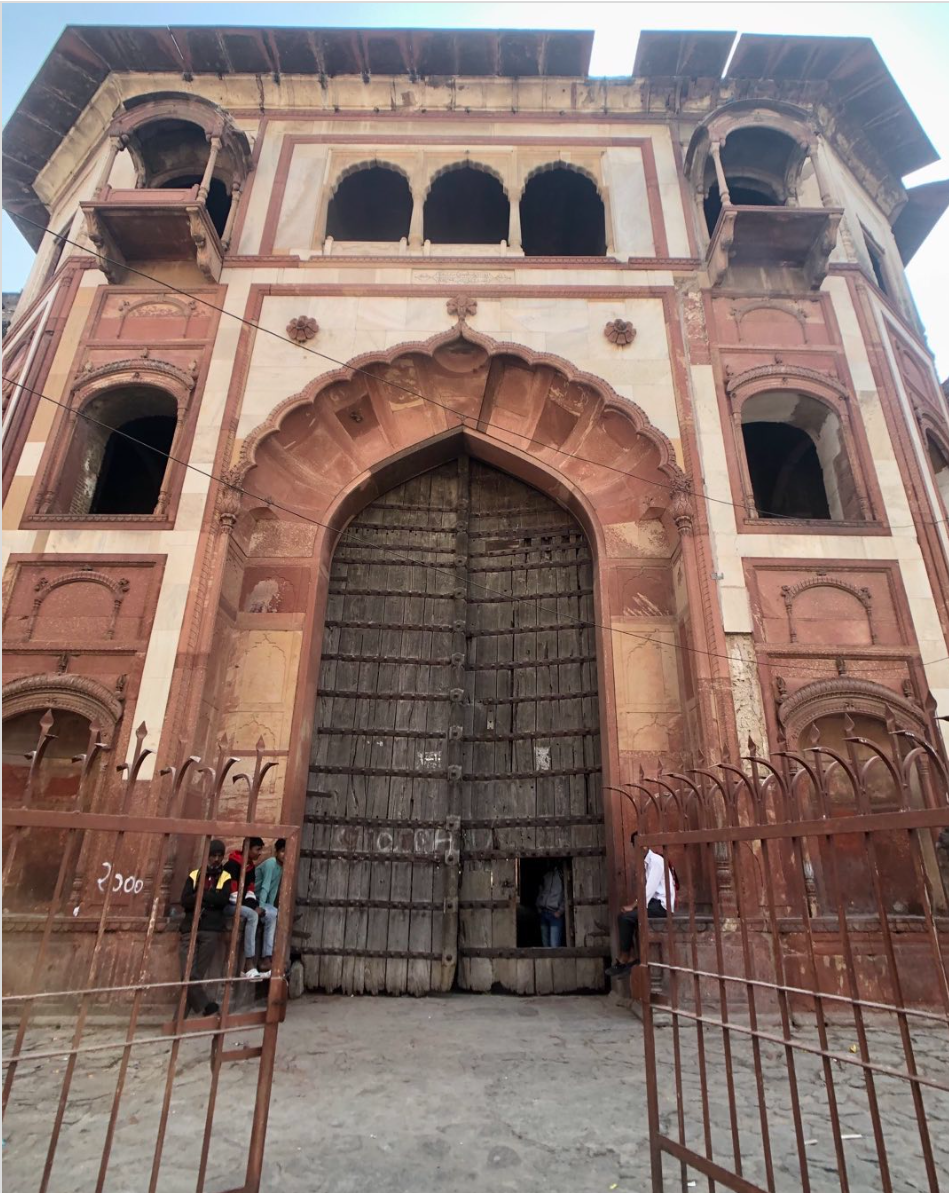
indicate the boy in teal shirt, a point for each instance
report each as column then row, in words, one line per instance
column 267, row 888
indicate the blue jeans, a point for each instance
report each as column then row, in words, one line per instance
column 551, row 930
column 251, row 920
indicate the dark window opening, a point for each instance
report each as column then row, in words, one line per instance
column 218, row 202
column 741, row 196
column 372, row 204
column 787, row 479
column 562, row 216
column 132, row 473
column 466, row 206
column 876, row 263
column 530, row 875
column 59, row 244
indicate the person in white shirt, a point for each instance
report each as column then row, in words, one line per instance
column 657, row 895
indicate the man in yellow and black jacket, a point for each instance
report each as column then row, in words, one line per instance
column 214, row 901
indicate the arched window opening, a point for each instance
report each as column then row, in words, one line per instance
column 562, row 216
column 940, row 466
column 371, row 204
column 757, row 163
column 218, row 202
column 466, row 206
column 119, row 454
column 174, row 154
column 797, row 459
column 32, row 882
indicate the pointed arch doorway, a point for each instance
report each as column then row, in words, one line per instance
column 456, row 752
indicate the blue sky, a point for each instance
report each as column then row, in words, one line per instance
column 912, row 37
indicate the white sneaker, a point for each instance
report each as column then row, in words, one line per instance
column 263, row 974
column 253, row 974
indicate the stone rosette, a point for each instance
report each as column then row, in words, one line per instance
column 461, row 306
column 620, row 332
column 302, row 329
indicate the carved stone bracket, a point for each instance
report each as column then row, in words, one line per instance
column 620, row 332
column 681, row 507
column 228, row 506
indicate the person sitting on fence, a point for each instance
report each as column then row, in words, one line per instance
column 267, row 878
column 251, row 910
column 628, row 920
column 214, row 903
column 550, row 907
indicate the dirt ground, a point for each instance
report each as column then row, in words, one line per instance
column 494, row 1093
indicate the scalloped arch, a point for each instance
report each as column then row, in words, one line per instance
column 548, row 167
column 372, row 163
column 71, row 693
column 461, row 165
column 611, row 400
column 832, row 697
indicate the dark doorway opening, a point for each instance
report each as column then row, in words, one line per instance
column 787, row 479
column 467, row 206
column 372, row 204
column 218, row 202
column 562, row 216
column 530, row 875
column 132, row 472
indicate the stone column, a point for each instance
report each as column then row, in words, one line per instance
column 209, row 168
column 514, row 225
column 417, row 223
column 826, row 198
column 720, row 173
column 116, row 145
column 231, row 215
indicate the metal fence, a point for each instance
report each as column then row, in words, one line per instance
column 115, row 1034
column 796, row 1004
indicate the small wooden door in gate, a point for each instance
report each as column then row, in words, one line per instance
column 456, row 744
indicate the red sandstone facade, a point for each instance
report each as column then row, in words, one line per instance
column 743, row 340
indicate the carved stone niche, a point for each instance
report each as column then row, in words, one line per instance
column 825, row 617
column 835, row 697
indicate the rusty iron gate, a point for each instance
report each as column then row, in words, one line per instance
column 119, row 851
column 796, row 1004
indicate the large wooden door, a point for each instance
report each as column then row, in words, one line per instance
column 456, row 744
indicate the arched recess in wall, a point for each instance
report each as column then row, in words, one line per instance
column 174, row 138
column 466, row 204
column 802, row 455
column 761, row 150
column 371, row 201
column 83, row 711
column 936, row 444
column 562, row 213
column 113, row 450
column 826, row 713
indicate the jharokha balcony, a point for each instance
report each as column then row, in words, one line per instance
column 153, row 224
column 190, row 164
column 750, row 238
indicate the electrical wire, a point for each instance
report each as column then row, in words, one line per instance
column 796, row 668
column 413, row 392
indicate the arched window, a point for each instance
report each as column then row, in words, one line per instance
column 758, row 164
column 940, row 466
column 374, row 203
column 562, row 216
column 797, row 458
column 466, row 206
column 118, row 456
column 173, row 155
